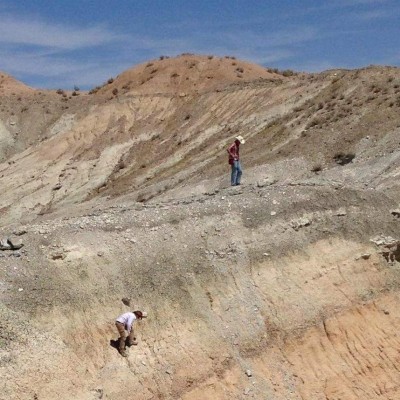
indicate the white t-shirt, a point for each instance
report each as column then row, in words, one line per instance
column 127, row 319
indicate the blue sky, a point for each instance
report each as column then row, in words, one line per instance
column 63, row 43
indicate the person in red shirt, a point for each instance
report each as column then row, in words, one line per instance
column 234, row 160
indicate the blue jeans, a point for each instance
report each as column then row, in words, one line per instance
column 236, row 173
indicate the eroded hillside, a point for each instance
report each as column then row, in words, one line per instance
column 286, row 287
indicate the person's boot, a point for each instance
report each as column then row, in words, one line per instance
column 123, row 352
column 132, row 342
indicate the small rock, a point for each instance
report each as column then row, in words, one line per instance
column 386, row 312
column 126, row 301
column 20, row 289
column 246, row 391
column 58, row 256
column 341, row 212
column 395, row 212
column 58, row 186
column 273, row 212
column 20, row 232
column 266, row 182
column 249, row 373
column 299, row 223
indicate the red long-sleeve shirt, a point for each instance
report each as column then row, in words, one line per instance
column 233, row 152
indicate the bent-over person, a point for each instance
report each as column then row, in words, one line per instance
column 124, row 324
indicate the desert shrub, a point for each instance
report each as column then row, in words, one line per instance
column 210, row 57
column 314, row 122
column 74, row 93
column 240, row 70
column 316, row 168
column 115, row 91
column 287, row 72
column 174, row 75
column 150, row 64
column 111, row 80
column 94, row 90
column 60, row 91
column 76, row 88
column 343, row 158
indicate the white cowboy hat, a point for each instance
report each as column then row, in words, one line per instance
column 240, row 138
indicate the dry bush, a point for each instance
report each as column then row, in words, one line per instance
column 314, row 122
column 111, row 80
column 343, row 158
column 288, row 72
column 316, row 168
column 115, row 91
column 94, row 90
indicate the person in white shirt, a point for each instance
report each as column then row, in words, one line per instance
column 124, row 324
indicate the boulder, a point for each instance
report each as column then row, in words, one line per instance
column 10, row 244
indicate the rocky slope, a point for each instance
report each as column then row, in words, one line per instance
column 286, row 287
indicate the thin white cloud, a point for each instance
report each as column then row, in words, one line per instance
column 21, row 31
column 314, row 66
column 66, row 71
column 360, row 2
column 373, row 15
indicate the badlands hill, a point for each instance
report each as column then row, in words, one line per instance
column 286, row 287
